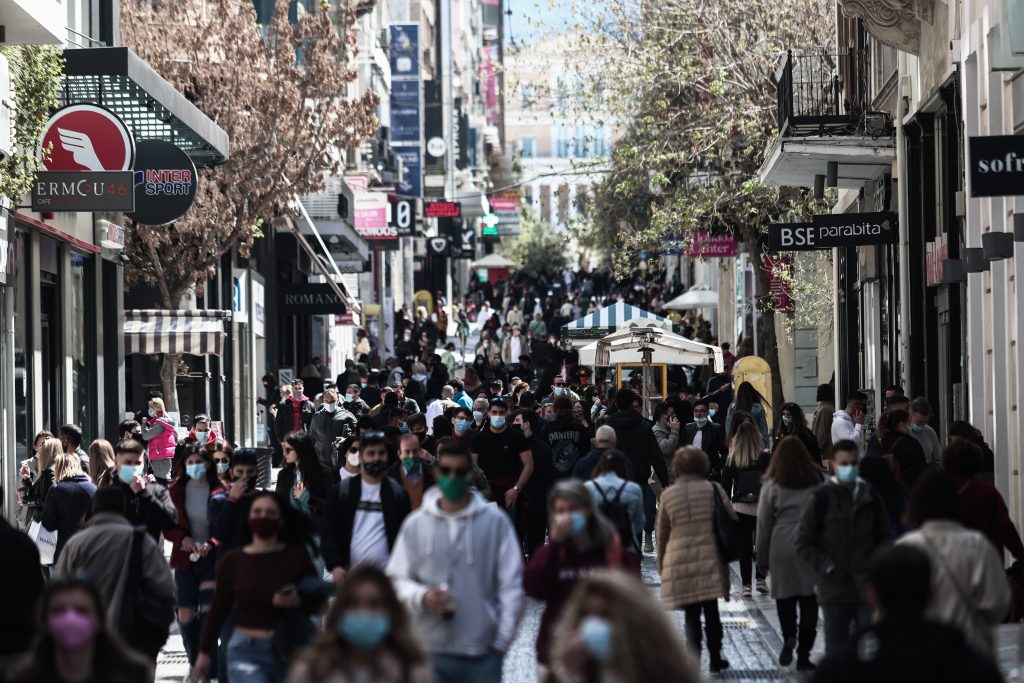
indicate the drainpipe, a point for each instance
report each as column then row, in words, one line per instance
column 902, row 186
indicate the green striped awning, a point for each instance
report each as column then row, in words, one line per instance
column 606, row 320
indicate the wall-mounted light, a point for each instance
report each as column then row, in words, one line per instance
column 819, row 187
column 953, row 271
column 974, row 259
column 832, row 174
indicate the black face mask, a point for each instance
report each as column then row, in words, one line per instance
column 375, row 468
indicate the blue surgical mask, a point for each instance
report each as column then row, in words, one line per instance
column 364, row 630
column 462, row 425
column 195, row 471
column 578, row 523
column 151, row 413
column 712, row 411
column 404, row 427
column 847, row 474
column 223, row 467
column 498, row 421
column 362, row 385
column 348, row 398
column 597, row 637
column 330, row 407
column 701, row 421
column 559, row 391
column 916, row 428
column 201, row 437
column 126, row 472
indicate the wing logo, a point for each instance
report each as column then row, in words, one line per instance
column 80, row 146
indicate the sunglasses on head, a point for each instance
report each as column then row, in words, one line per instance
column 371, row 437
column 456, row 472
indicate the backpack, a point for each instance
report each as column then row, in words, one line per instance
column 747, row 488
column 145, row 619
column 618, row 514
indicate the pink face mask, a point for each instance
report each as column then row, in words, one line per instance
column 71, row 630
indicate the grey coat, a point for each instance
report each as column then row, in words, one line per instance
column 778, row 518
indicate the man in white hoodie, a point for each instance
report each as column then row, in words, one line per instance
column 849, row 422
column 458, row 567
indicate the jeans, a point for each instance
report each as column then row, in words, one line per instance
column 189, row 594
column 748, row 529
column 841, row 619
column 712, row 627
column 459, row 669
column 804, row 638
column 650, row 508
column 252, row 660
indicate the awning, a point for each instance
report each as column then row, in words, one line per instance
column 667, row 348
column 163, row 331
column 120, row 80
column 698, row 296
column 494, row 261
column 607, row 320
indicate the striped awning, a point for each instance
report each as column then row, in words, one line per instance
column 162, row 331
column 606, row 320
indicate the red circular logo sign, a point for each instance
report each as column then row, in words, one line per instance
column 85, row 137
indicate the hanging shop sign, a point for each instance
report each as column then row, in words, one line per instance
column 165, row 182
column 997, row 166
column 438, row 245
column 834, row 230
column 310, row 299
column 442, row 209
column 403, row 216
column 702, row 244
column 86, row 137
column 83, row 191
column 467, row 242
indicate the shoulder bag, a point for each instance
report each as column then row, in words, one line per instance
column 726, row 529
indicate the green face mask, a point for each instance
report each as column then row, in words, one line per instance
column 453, row 488
column 410, row 464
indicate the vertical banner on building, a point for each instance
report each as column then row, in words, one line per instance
column 407, row 106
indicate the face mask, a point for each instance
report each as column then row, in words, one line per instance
column 478, row 415
column 916, row 428
column 596, row 634
column 701, row 421
column 410, row 464
column 462, row 425
column 71, row 630
column 353, row 459
column 264, row 527
column 364, row 630
column 453, row 488
column 222, row 467
column 151, row 413
column 195, row 471
column 787, row 420
column 712, row 411
column 498, row 421
column 127, row 472
column 363, row 385
column 847, row 474
column 375, row 468
column 550, row 417
column 578, row 524
column 348, row 398
column 404, row 427
column 330, row 407
column 559, row 391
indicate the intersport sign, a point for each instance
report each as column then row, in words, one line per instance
column 834, row 230
column 997, row 165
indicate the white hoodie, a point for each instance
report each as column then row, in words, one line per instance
column 476, row 552
column 843, row 427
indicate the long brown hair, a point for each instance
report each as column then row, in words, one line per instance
column 101, row 459
column 745, row 446
column 330, row 652
column 65, row 466
column 48, row 453
column 889, row 421
column 645, row 641
column 791, row 465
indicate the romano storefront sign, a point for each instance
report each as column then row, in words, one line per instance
column 834, row 230
column 310, row 299
column 997, row 166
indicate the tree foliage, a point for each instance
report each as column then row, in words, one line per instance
column 539, row 248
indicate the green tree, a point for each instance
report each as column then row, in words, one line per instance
column 539, row 248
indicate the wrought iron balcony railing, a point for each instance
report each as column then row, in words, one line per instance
column 820, row 93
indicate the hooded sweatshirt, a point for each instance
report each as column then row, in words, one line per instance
column 843, row 427
column 475, row 552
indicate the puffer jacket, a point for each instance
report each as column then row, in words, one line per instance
column 688, row 561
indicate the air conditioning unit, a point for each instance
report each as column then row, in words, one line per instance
column 6, row 106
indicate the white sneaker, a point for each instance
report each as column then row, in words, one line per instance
column 746, row 592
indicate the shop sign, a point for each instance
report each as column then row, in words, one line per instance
column 778, row 287
column 109, row 235
column 834, row 230
column 467, row 242
column 165, row 182
column 353, row 266
column 442, row 209
column 703, row 244
column 86, row 137
column 8, row 248
column 310, row 299
column 403, row 216
column 240, row 295
column 83, row 191
column 411, row 184
column 997, row 166
column 438, row 245
column 405, row 51
column 259, row 309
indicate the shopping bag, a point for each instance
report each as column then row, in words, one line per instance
column 46, row 542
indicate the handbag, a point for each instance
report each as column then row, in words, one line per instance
column 45, row 540
column 726, row 529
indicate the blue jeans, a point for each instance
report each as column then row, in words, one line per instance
column 252, row 660
column 459, row 669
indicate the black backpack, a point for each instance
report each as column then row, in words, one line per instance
column 618, row 514
column 145, row 619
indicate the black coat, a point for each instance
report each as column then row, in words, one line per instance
column 285, row 412
column 635, row 438
column 151, row 507
column 340, row 517
column 21, row 574
column 712, row 442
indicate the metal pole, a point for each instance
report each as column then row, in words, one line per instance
column 448, row 128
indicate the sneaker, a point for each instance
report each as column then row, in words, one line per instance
column 649, row 542
column 746, row 592
column 786, row 656
column 718, row 664
column 805, row 664
column 762, row 586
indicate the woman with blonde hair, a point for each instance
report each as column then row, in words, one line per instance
column 611, row 629
column 693, row 575
column 101, row 460
column 45, row 455
column 29, row 473
column 741, row 478
column 68, row 500
column 158, row 433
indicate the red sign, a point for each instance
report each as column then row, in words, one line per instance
column 782, row 300
column 703, row 244
column 442, row 209
column 502, row 205
column 935, row 252
column 85, row 137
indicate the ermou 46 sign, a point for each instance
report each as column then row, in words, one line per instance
column 834, row 230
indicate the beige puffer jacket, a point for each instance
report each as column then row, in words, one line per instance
column 688, row 560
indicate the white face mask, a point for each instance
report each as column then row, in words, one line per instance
column 352, row 459
column 478, row 415
column 330, row 407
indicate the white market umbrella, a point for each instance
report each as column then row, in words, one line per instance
column 494, row 261
column 698, row 296
column 669, row 348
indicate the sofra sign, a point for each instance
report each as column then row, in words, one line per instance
column 997, row 166
column 834, row 230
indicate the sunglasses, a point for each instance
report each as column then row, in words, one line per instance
column 224, row 459
column 456, row 472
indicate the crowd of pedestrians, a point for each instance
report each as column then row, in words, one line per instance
column 417, row 504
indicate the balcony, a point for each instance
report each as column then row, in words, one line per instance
column 31, row 22
column 822, row 114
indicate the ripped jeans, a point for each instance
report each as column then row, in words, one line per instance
column 252, row 660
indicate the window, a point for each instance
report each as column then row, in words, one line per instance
column 526, row 95
column 563, row 142
column 527, row 148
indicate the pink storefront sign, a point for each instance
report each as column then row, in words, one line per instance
column 702, row 244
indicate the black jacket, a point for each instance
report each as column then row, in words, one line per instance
column 151, row 507
column 340, row 517
column 285, row 412
column 318, row 489
column 635, row 438
column 325, row 427
column 906, row 649
column 21, row 574
column 712, row 442
column 66, row 508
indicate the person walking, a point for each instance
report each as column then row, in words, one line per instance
column 969, row 586
column 302, row 481
column 148, row 503
column 901, row 451
column 840, row 528
column 413, row 471
column 741, row 478
column 848, row 424
column 604, row 438
column 295, row 411
column 565, row 436
column 821, row 421
column 159, row 435
column 749, row 400
column 28, row 473
column 922, row 432
column 260, row 581
column 612, row 629
column 504, row 457
column 693, row 575
column 362, row 514
column 790, row 482
column 581, row 541
column 666, row 431
column 621, row 501
column 46, row 456
column 457, row 565
column 329, row 424
column 794, row 423
column 19, row 569
column 367, row 636
column 68, row 501
column 101, row 460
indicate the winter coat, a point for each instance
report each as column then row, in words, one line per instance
column 778, row 518
column 65, row 509
column 632, row 497
column 175, row 535
column 635, row 438
column 37, row 493
column 712, row 442
column 668, row 442
column 284, row 422
column 688, row 560
column 325, row 427
column 969, row 586
column 983, row 509
column 821, row 425
column 840, row 529
column 340, row 517
column 476, row 552
column 151, row 507
column 312, row 504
